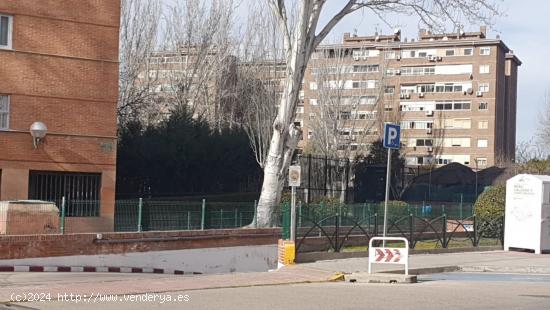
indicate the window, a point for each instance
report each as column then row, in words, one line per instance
column 483, row 106
column 370, row 84
column 365, row 68
column 5, row 31
column 313, row 86
column 301, row 95
column 345, row 115
column 82, row 191
column 426, row 88
column 481, row 162
column 390, row 55
column 484, row 87
column 389, row 90
column 483, row 124
column 468, row 51
column 313, row 101
column 418, row 70
column 367, row 100
column 457, row 123
column 4, row 112
column 485, row 51
column 424, row 142
column 309, row 134
column 416, row 124
column 450, row 52
column 484, row 69
column 481, row 142
column 300, row 110
column 451, row 105
column 312, row 116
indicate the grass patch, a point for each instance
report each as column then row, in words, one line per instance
column 430, row 244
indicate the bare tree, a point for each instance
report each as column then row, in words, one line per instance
column 260, row 78
column 344, row 120
column 301, row 38
column 544, row 131
column 530, row 150
column 201, row 73
column 138, row 38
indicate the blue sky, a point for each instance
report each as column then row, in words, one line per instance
column 524, row 28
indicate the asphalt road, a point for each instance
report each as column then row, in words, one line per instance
column 434, row 292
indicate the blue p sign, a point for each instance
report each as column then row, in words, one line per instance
column 392, row 136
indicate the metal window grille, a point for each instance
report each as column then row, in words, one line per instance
column 81, row 191
column 5, row 31
column 4, row 112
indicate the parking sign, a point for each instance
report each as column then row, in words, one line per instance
column 392, row 135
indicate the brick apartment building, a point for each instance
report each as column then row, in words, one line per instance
column 59, row 66
column 202, row 79
column 453, row 94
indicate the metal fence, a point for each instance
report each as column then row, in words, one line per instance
column 22, row 218
column 340, row 226
column 149, row 215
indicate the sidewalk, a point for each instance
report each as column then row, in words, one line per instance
column 496, row 261
column 322, row 271
column 89, row 283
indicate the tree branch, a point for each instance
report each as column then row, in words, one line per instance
column 279, row 10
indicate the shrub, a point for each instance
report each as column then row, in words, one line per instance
column 490, row 204
column 325, row 207
column 489, row 210
column 396, row 209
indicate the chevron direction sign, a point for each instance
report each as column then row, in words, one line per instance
column 389, row 255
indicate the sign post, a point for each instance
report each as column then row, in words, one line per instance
column 384, row 255
column 391, row 141
column 294, row 180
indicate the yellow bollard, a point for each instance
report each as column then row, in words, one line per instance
column 286, row 252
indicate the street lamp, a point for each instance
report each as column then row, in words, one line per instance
column 430, row 159
column 475, row 196
column 38, row 132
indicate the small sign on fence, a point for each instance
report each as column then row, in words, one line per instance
column 294, row 176
column 389, row 255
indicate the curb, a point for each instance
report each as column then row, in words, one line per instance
column 541, row 270
column 311, row 257
column 34, row 268
column 427, row 270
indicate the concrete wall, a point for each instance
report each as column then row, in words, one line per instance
column 207, row 260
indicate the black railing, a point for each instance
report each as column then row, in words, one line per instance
column 337, row 231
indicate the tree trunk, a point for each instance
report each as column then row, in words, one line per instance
column 272, row 184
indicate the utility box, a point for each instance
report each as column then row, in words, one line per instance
column 527, row 221
column 28, row 217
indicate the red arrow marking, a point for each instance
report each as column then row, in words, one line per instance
column 397, row 256
column 389, row 256
column 379, row 254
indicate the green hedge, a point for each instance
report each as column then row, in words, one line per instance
column 489, row 210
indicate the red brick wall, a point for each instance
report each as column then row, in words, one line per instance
column 14, row 247
column 63, row 71
column 59, row 37
column 80, row 117
column 59, row 149
column 58, row 77
column 103, row 12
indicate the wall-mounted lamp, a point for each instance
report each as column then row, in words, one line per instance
column 38, row 132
